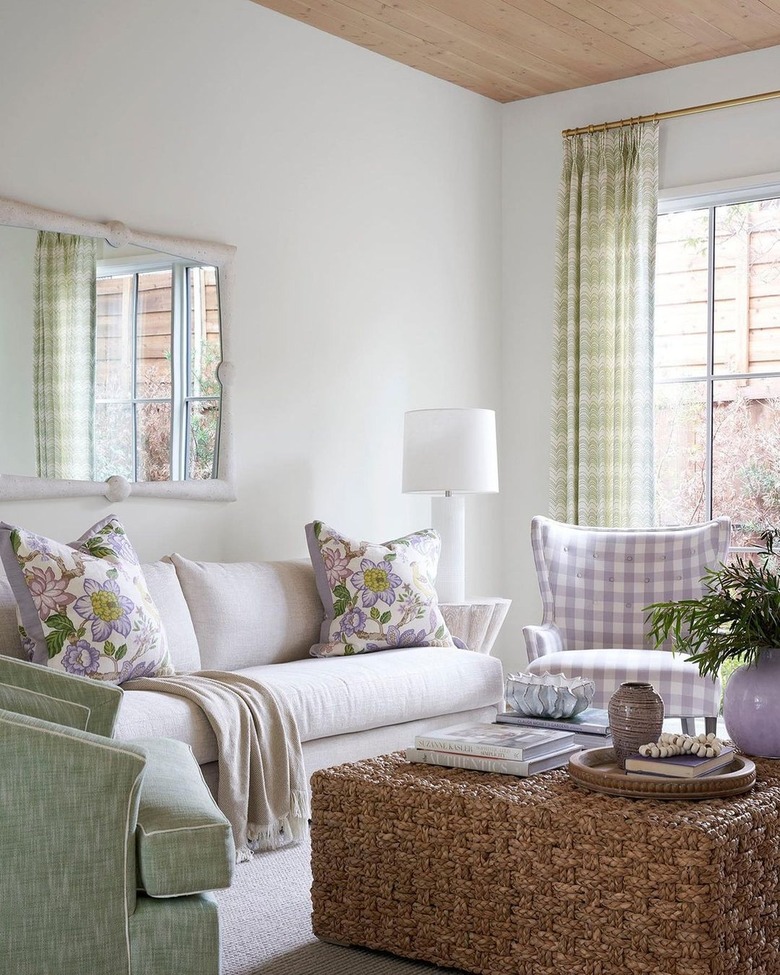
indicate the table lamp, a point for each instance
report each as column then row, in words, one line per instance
column 449, row 453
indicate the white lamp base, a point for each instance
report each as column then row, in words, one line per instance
column 448, row 517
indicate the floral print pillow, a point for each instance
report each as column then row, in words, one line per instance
column 84, row 608
column 376, row 596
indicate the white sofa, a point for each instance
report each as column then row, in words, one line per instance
column 261, row 618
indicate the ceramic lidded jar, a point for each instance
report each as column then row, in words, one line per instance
column 636, row 717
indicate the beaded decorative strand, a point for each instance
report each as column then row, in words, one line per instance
column 705, row 746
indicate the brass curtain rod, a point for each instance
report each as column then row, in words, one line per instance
column 676, row 113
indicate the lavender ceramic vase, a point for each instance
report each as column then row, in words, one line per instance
column 751, row 706
column 636, row 717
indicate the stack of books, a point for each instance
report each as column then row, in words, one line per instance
column 677, row 766
column 495, row 748
column 590, row 727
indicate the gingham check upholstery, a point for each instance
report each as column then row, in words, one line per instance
column 595, row 584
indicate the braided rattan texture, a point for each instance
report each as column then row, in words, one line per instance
column 506, row 876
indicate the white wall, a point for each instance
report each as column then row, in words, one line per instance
column 719, row 145
column 364, row 200
column 17, row 264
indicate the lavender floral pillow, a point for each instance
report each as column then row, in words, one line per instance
column 84, row 608
column 376, row 596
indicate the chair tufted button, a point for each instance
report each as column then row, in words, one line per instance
column 629, row 605
column 679, row 578
column 663, row 558
column 629, row 558
column 565, row 548
column 579, row 575
column 595, row 555
column 647, row 579
column 611, row 578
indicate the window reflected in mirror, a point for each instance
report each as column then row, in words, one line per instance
column 155, row 418
column 112, row 339
column 110, row 359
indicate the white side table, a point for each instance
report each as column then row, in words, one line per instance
column 476, row 621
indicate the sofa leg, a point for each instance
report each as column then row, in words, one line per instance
column 688, row 726
column 711, row 725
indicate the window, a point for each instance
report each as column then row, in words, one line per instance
column 157, row 396
column 717, row 363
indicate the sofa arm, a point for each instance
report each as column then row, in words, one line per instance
column 67, row 859
column 541, row 640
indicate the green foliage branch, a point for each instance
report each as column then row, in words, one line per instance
column 737, row 616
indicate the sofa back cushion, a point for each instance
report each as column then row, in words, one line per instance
column 248, row 613
column 165, row 589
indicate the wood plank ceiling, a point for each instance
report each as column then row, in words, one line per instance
column 513, row 49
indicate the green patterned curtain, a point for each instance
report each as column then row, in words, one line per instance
column 64, row 355
column 601, row 470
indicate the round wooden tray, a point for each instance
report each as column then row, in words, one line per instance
column 597, row 769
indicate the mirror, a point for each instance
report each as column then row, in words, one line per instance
column 114, row 374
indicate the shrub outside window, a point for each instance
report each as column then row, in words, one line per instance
column 717, row 365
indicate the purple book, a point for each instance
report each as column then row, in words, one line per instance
column 679, row 766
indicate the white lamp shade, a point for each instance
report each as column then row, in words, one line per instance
column 450, row 450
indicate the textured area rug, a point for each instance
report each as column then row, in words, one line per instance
column 266, row 925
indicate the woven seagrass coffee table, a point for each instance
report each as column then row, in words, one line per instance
column 505, row 876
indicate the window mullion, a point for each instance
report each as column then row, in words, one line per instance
column 710, row 417
column 179, row 374
column 134, row 375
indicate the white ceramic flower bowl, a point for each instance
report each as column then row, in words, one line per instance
column 549, row 695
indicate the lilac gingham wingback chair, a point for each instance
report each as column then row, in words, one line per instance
column 595, row 583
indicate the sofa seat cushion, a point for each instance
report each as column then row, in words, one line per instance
column 184, row 843
column 339, row 695
column 151, row 713
column 334, row 695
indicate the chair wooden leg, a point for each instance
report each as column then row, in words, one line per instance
column 711, row 725
column 688, row 726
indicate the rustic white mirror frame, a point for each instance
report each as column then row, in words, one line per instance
column 16, row 487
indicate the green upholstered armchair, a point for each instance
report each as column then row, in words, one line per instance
column 108, row 849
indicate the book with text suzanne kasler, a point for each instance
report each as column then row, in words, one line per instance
column 591, row 721
column 502, row 766
column 679, row 766
column 495, row 741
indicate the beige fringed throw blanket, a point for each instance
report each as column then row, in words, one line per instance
column 263, row 789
